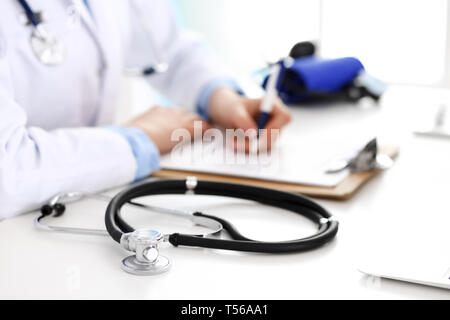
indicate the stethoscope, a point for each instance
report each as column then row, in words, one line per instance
column 145, row 243
column 50, row 50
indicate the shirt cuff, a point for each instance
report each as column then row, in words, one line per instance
column 144, row 150
column 207, row 91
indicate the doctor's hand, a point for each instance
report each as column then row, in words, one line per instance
column 233, row 111
column 159, row 123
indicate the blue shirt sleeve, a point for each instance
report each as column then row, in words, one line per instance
column 205, row 94
column 144, row 150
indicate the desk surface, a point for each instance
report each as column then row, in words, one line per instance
column 36, row 264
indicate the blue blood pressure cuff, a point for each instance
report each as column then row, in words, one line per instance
column 315, row 79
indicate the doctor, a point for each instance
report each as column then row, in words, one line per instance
column 55, row 120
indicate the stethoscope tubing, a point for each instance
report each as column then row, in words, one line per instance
column 32, row 18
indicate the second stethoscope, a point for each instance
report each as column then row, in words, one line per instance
column 51, row 51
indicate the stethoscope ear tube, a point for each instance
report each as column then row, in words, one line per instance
column 326, row 233
column 254, row 246
column 117, row 227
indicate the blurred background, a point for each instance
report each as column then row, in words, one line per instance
column 402, row 42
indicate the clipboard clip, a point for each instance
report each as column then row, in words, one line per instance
column 366, row 159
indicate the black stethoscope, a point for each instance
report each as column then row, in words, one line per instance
column 145, row 242
column 50, row 50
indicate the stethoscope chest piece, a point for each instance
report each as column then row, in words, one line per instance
column 147, row 260
column 48, row 49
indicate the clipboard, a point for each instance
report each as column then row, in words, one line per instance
column 343, row 191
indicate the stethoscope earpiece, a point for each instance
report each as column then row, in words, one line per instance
column 46, row 210
column 57, row 208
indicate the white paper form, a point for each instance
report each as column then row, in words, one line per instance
column 292, row 160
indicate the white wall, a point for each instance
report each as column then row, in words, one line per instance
column 248, row 32
column 400, row 41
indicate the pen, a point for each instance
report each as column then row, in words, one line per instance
column 270, row 96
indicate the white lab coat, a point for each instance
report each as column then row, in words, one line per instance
column 51, row 118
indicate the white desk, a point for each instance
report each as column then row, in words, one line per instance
column 36, row 264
